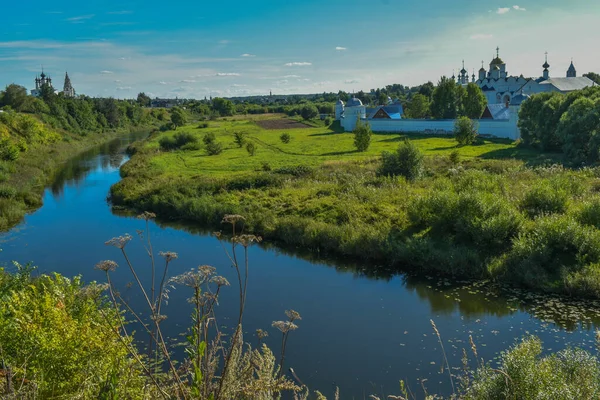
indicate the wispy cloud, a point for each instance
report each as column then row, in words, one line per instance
column 162, row 83
column 519, row 8
column 80, row 19
column 297, row 64
column 105, row 72
column 227, row 74
column 117, row 81
column 481, row 36
column 247, row 55
column 341, row 48
column 238, row 85
column 187, row 81
column 502, row 10
column 123, row 87
column 291, row 76
column 347, row 81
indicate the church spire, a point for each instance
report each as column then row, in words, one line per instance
column 68, row 90
column 546, row 66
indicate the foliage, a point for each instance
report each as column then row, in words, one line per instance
column 465, row 131
column 454, row 157
column 251, row 148
column 239, row 138
column 58, row 333
column 418, row 107
column 407, row 161
column 178, row 117
column 14, row 96
column 362, row 136
column 144, row 100
column 223, row 107
column 178, row 141
column 309, row 112
column 593, row 76
column 445, row 99
column 474, row 102
column 285, row 138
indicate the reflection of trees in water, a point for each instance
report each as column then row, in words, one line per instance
column 471, row 300
column 106, row 156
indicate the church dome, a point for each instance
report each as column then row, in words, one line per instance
column 546, row 65
column 340, row 102
column 518, row 99
column 354, row 102
column 497, row 61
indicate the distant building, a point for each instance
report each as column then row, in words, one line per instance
column 499, row 87
column 68, row 90
column 166, row 103
column 40, row 82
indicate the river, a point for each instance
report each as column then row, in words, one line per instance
column 360, row 331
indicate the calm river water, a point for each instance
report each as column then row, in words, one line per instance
column 360, row 332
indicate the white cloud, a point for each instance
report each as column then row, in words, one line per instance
column 238, row 85
column 227, row 74
column 341, row 48
column 120, row 12
column 123, row 87
column 105, row 72
column 481, row 36
column 248, row 55
column 162, row 83
column 80, row 19
column 283, row 82
column 117, row 81
column 298, row 64
column 519, row 8
column 347, row 81
column 188, row 81
column 502, row 10
column 292, row 76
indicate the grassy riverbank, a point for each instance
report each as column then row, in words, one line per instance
column 30, row 153
column 493, row 213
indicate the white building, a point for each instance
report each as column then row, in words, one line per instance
column 44, row 80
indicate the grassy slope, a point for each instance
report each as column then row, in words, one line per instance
column 489, row 217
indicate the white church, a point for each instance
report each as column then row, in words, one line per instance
column 504, row 94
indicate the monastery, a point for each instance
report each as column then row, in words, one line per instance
column 44, row 80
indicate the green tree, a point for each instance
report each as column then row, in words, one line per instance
column 13, row 96
column 362, row 136
column 445, row 100
column 579, row 130
column 474, row 102
column 285, row 138
column 593, row 76
column 382, row 99
column 427, row 90
column 178, row 117
column 418, row 107
column 239, row 138
column 465, row 130
column 407, row 161
column 309, row 111
column 224, row 107
column 144, row 100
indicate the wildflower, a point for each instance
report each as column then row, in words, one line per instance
column 261, row 334
column 206, row 270
column 119, row 242
column 146, row 215
column 220, row 281
column 168, row 255
column 217, row 235
column 232, row 219
column 284, row 326
column 158, row 318
column 247, row 240
column 106, row 266
column 293, row 315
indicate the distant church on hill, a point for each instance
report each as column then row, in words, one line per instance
column 44, row 80
column 501, row 88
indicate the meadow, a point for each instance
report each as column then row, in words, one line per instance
column 489, row 210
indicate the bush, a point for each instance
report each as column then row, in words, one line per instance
column 209, row 138
column 545, row 199
column 203, row 125
column 266, row 166
column 309, row 111
column 285, row 137
column 328, row 121
column 7, row 192
column 9, row 151
column 251, row 148
column 454, row 157
column 214, row 148
column 465, row 130
column 362, row 136
column 297, row 170
column 239, row 138
column 178, row 140
column 407, row 161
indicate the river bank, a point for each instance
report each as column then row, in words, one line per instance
column 24, row 179
column 490, row 215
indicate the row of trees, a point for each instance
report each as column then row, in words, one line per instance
column 569, row 123
column 79, row 115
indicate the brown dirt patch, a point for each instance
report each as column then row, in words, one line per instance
column 272, row 124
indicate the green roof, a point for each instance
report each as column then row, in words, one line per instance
column 497, row 61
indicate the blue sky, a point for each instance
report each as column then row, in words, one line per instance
column 230, row 48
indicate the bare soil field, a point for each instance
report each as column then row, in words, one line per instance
column 281, row 124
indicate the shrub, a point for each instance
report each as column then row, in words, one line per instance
column 179, row 140
column 7, row 192
column 266, row 166
column 545, row 199
column 362, row 136
column 9, row 151
column 465, row 130
column 309, row 111
column 239, row 138
column 589, row 213
column 285, row 137
column 251, row 148
column 407, row 161
column 203, row 125
column 328, row 121
column 209, row 138
column 214, row 148
column 454, row 157
column 297, row 170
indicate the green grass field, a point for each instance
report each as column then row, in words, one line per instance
column 311, row 147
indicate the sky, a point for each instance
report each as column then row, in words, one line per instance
column 193, row 49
